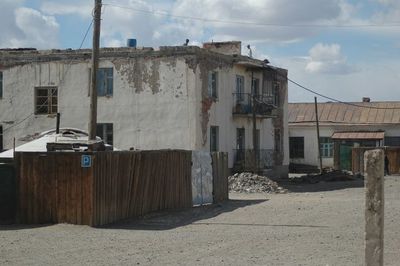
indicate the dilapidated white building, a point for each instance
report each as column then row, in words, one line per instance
column 180, row 97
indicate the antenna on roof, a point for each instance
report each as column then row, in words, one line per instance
column 186, row 42
column 250, row 51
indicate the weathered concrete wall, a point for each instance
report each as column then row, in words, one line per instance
column 202, row 179
column 160, row 98
column 151, row 106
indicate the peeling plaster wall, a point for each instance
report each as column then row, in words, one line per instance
column 151, row 106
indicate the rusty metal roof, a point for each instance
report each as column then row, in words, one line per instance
column 340, row 113
column 359, row 135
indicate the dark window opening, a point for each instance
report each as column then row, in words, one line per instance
column 105, row 132
column 296, row 147
column 214, row 138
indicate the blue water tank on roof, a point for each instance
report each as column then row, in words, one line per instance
column 131, row 43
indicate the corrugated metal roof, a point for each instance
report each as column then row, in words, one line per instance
column 339, row 113
column 359, row 135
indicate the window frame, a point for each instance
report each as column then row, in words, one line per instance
column 213, row 85
column 214, row 138
column 326, row 147
column 299, row 152
column 240, row 89
column 49, row 100
column 106, row 128
column 106, row 79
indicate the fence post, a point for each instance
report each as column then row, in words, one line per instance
column 374, row 207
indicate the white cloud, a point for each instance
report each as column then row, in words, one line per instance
column 328, row 59
column 26, row 27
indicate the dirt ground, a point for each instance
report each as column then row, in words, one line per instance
column 319, row 224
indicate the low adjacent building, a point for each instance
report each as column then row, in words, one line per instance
column 342, row 127
column 181, row 97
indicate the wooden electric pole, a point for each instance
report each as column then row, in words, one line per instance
column 318, row 141
column 255, row 150
column 95, row 66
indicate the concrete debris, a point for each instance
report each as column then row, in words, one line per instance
column 253, row 183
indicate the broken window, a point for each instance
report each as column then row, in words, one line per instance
column 46, row 100
column 105, row 132
column 326, row 146
column 1, row 84
column 214, row 138
column 296, row 147
column 213, row 84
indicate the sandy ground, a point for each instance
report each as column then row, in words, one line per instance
column 321, row 224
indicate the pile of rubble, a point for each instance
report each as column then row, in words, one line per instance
column 252, row 183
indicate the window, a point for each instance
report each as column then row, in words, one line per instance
column 296, row 147
column 277, row 140
column 214, row 138
column 46, row 101
column 105, row 132
column 1, row 138
column 275, row 93
column 392, row 141
column 326, row 146
column 240, row 138
column 104, row 81
column 255, row 86
column 257, row 139
column 1, row 84
column 213, row 84
column 239, row 88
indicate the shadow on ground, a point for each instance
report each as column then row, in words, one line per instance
column 167, row 220
column 10, row 226
column 320, row 186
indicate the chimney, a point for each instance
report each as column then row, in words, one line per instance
column 366, row 99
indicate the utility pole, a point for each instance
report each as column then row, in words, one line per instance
column 319, row 144
column 95, row 66
column 254, row 122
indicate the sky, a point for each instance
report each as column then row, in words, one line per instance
column 344, row 49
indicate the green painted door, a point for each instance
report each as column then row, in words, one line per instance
column 345, row 157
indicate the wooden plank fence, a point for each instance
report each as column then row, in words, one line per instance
column 393, row 154
column 54, row 188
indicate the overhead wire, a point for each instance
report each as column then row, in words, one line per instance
column 253, row 23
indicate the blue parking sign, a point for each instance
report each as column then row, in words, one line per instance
column 86, row 161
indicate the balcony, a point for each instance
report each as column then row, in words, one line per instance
column 245, row 104
column 244, row 159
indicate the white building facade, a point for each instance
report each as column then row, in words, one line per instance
column 342, row 126
column 173, row 98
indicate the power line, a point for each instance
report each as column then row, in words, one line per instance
column 339, row 101
column 253, row 23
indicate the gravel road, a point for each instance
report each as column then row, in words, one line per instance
column 319, row 224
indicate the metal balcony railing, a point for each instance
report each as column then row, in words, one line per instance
column 246, row 103
column 244, row 159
